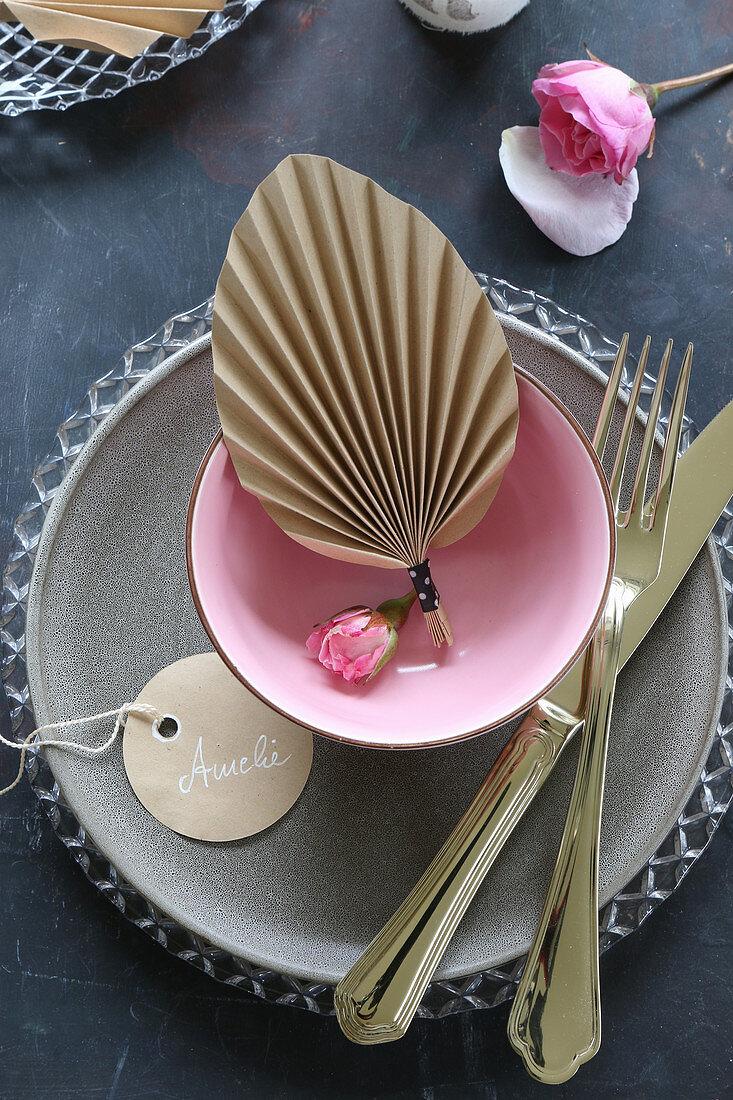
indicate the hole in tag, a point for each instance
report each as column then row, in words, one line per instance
column 167, row 728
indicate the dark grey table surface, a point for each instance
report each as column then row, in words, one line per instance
column 116, row 215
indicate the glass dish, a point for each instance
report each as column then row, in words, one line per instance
column 36, row 76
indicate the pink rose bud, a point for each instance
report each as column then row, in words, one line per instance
column 593, row 118
column 358, row 642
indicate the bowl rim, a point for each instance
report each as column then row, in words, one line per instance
column 456, row 738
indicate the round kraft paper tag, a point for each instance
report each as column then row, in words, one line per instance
column 221, row 765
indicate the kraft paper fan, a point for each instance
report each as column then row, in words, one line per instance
column 365, row 390
column 125, row 27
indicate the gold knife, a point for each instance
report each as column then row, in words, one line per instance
column 376, row 1001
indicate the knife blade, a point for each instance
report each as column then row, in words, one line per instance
column 379, row 996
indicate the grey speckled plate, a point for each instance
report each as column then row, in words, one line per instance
column 109, row 605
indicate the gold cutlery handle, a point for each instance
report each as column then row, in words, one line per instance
column 555, row 1021
column 377, row 999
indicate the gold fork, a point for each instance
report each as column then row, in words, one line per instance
column 555, row 1021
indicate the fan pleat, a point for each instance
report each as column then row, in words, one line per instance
column 449, row 338
column 276, row 470
column 349, row 282
column 475, row 493
column 288, row 388
column 378, row 257
column 481, row 397
column 469, row 487
column 279, row 484
column 338, row 366
column 438, row 282
column 325, row 539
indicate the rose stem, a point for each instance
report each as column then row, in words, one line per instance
column 687, row 81
column 680, row 82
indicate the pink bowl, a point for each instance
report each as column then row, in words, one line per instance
column 524, row 591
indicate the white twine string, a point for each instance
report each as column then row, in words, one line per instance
column 120, row 715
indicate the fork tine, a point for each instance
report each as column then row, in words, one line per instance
column 658, row 504
column 609, row 398
column 642, row 473
column 618, row 469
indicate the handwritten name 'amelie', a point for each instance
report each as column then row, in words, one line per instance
column 264, row 757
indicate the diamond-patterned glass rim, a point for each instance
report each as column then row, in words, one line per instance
column 36, row 76
column 659, row 877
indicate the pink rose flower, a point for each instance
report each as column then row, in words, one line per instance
column 352, row 643
column 575, row 174
column 593, row 118
column 358, row 642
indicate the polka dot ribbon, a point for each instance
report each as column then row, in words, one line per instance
column 427, row 593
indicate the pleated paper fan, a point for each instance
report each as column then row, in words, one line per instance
column 125, row 28
column 365, row 389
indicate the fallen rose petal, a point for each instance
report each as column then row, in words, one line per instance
column 581, row 215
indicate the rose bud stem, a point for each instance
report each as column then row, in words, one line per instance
column 688, row 81
column 652, row 91
column 397, row 610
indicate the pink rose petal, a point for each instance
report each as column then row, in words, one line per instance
column 581, row 215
